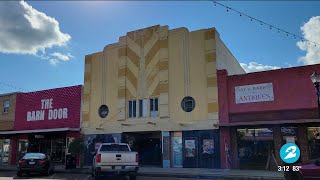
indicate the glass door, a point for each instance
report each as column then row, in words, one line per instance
column 177, row 149
column 5, row 151
column 45, row 146
column 22, row 148
column 58, row 150
column 1, row 150
column 255, row 146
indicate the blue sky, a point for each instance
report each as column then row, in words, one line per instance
column 51, row 52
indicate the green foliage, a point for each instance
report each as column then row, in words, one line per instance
column 77, row 146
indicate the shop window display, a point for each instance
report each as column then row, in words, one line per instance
column 255, row 146
column 4, row 151
column 314, row 142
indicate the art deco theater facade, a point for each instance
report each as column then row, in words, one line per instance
column 156, row 89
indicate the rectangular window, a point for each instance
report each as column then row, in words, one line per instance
column 188, row 105
column 140, row 108
column 143, row 108
column 6, row 105
column 132, row 108
column 154, row 107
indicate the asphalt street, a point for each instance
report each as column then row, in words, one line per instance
column 10, row 175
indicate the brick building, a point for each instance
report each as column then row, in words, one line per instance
column 7, row 116
column 259, row 112
column 45, row 121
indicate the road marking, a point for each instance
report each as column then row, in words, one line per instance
column 87, row 177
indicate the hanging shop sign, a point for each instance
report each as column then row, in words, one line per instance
column 254, row 93
column 289, row 131
column 38, row 136
column 48, row 111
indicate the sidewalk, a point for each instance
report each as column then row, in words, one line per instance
column 180, row 172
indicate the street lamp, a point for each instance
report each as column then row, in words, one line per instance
column 315, row 78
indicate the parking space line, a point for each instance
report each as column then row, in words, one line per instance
column 87, row 177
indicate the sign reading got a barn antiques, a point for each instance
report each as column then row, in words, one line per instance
column 254, row 93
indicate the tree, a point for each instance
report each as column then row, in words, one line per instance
column 76, row 147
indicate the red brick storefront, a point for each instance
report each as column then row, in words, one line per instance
column 46, row 121
column 259, row 112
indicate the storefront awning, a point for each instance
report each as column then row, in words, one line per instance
column 39, row 130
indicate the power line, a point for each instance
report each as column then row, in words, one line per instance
column 12, row 87
column 266, row 24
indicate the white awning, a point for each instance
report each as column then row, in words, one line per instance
column 39, row 130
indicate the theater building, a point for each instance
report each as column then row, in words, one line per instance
column 7, row 115
column 156, row 89
column 259, row 112
column 45, row 121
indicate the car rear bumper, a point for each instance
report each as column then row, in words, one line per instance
column 128, row 170
column 33, row 170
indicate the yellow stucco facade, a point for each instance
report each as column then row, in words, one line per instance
column 156, row 62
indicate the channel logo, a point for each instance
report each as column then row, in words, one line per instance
column 290, row 153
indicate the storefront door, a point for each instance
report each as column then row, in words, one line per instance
column 255, row 146
column 22, row 148
column 4, row 151
column 177, row 149
column 314, row 142
column 1, row 150
column 54, row 147
column 190, row 152
column 58, row 150
column 147, row 144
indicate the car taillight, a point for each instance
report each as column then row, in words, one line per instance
column 42, row 161
column 98, row 158
column 137, row 157
column 22, row 161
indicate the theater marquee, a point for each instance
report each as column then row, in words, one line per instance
column 254, row 93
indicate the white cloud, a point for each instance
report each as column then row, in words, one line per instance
column 54, row 61
column 311, row 31
column 24, row 30
column 62, row 57
column 255, row 67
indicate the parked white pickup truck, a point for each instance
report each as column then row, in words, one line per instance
column 115, row 159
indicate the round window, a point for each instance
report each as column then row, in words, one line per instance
column 188, row 104
column 103, row 111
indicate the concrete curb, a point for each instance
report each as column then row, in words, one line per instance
column 209, row 176
column 84, row 171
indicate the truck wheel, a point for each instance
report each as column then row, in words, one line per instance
column 293, row 176
column 133, row 177
column 97, row 177
column 47, row 173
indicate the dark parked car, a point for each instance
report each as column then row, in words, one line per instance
column 35, row 163
column 307, row 171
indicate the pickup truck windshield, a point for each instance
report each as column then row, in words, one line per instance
column 114, row 147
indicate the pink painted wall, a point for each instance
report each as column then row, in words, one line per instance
column 67, row 97
column 292, row 89
column 223, row 117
